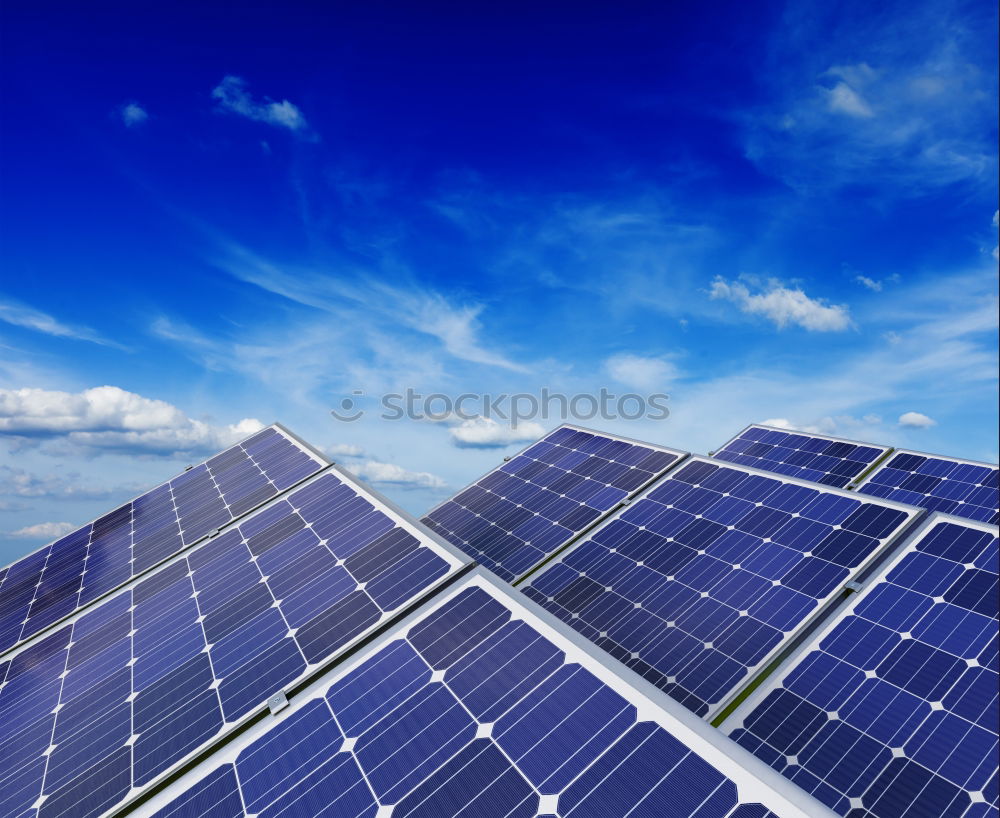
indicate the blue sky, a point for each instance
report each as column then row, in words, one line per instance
column 218, row 217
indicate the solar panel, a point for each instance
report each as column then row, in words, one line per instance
column 523, row 511
column 477, row 706
column 120, row 695
column 891, row 710
column 50, row 584
column 833, row 461
column 964, row 488
column 696, row 584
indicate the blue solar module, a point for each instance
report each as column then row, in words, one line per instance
column 697, row 584
column 477, row 707
column 123, row 692
column 832, row 461
column 964, row 488
column 540, row 499
column 50, row 584
column 891, row 710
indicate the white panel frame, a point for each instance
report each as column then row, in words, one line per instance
column 458, row 562
column 322, row 462
column 824, row 606
column 681, row 455
column 755, row 781
column 736, row 719
column 865, row 479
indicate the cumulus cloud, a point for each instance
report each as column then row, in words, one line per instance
column 133, row 114
column 486, row 433
column 641, row 372
column 17, row 482
column 344, row 450
column 916, row 420
column 374, row 471
column 233, row 96
column 783, row 305
column 43, row 531
column 112, row 419
column 870, row 283
column 21, row 315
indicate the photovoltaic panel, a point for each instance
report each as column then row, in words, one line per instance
column 478, row 707
column 50, row 584
column 697, row 584
column 120, row 695
column 540, row 499
column 964, row 488
column 891, row 710
column 832, row 461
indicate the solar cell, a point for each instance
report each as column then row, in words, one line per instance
column 526, row 509
column 833, row 461
column 52, row 583
column 964, row 488
column 125, row 691
column 479, row 706
column 891, row 710
column 698, row 582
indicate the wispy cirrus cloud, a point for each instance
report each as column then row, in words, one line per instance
column 895, row 100
column 21, row 315
column 419, row 309
column 783, row 305
column 233, row 97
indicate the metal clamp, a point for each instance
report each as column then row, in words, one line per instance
column 277, row 702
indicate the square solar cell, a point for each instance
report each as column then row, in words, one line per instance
column 833, row 461
column 477, row 705
column 965, row 488
column 543, row 497
column 701, row 580
column 54, row 582
column 124, row 692
column 890, row 711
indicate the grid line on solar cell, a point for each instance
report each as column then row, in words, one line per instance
column 965, row 488
column 124, row 692
column 477, row 707
column 832, row 461
column 699, row 582
column 891, row 710
column 52, row 583
column 528, row 508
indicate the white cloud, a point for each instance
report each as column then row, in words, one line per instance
column 374, row 471
column 17, row 482
column 455, row 326
column 827, row 425
column 870, row 283
column 915, row 116
column 21, row 315
column 233, row 96
column 133, row 114
column 638, row 372
column 783, row 305
column 844, row 99
column 996, row 248
column 486, row 433
column 110, row 418
column 916, row 420
column 43, row 531
column 344, row 450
